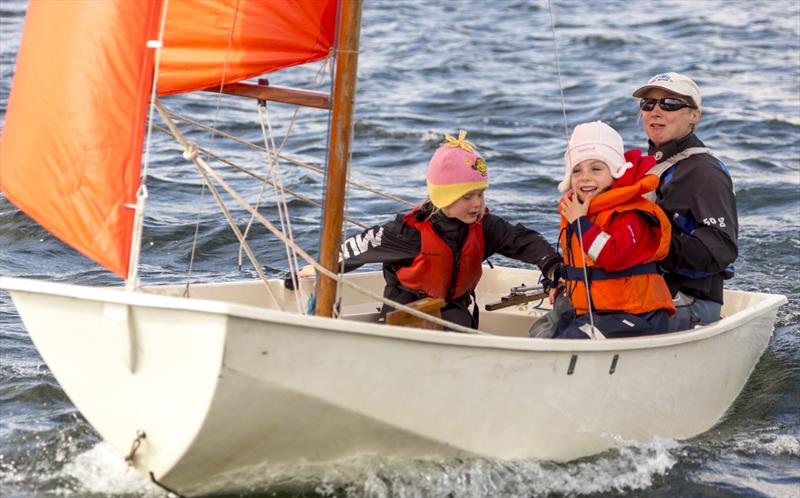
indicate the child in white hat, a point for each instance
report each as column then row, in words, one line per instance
column 611, row 238
column 437, row 249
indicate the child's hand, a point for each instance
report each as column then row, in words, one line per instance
column 552, row 294
column 572, row 208
column 307, row 271
column 558, row 287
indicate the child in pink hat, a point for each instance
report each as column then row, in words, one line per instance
column 437, row 249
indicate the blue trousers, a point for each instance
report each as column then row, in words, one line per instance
column 614, row 325
column 691, row 312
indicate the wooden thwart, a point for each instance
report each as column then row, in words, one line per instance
column 428, row 305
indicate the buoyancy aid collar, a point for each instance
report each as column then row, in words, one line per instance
column 620, row 195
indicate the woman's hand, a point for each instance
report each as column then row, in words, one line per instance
column 572, row 208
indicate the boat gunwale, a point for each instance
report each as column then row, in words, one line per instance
column 119, row 295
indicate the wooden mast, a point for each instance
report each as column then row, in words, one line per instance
column 341, row 133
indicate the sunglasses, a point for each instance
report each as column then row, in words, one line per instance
column 667, row 104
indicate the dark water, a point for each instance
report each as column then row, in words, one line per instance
column 488, row 67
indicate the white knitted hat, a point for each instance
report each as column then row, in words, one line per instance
column 594, row 140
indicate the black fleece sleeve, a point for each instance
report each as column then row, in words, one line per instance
column 392, row 242
column 519, row 242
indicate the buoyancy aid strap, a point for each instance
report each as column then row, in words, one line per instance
column 595, row 273
column 659, row 168
column 663, row 166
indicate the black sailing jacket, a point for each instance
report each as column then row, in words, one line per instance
column 698, row 188
column 396, row 244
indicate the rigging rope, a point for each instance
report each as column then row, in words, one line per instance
column 280, row 198
column 190, row 154
column 214, row 120
column 261, row 178
column 201, row 163
column 270, row 163
column 595, row 333
column 289, row 159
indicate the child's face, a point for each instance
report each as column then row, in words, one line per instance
column 590, row 178
column 468, row 208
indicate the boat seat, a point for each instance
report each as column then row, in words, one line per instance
column 428, row 305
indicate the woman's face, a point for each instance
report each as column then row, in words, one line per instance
column 662, row 126
column 590, row 178
column 468, row 208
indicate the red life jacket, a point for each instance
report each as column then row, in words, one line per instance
column 432, row 270
column 636, row 290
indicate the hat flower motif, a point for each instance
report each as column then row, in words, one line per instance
column 455, row 169
column 462, row 143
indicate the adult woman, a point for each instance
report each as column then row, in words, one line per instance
column 696, row 193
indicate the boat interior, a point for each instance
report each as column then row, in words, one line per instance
column 496, row 282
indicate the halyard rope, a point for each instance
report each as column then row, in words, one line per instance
column 190, row 154
column 201, row 164
column 594, row 334
column 275, row 174
column 214, row 120
column 270, row 164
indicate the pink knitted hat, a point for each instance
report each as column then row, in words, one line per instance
column 455, row 169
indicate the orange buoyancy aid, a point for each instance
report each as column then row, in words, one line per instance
column 435, row 271
column 636, row 290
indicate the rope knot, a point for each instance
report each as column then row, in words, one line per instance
column 460, row 142
column 190, row 152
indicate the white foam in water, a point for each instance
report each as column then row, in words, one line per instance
column 772, row 443
column 9, row 473
column 101, row 470
column 628, row 468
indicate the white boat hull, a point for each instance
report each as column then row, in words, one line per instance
column 221, row 387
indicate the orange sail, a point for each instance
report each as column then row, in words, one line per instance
column 72, row 140
column 205, row 41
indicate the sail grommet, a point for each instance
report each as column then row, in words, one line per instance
column 190, row 153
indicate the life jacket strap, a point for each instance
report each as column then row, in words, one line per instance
column 576, row 273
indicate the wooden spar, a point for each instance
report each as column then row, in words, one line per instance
column 286, row 95
column 341, row 133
